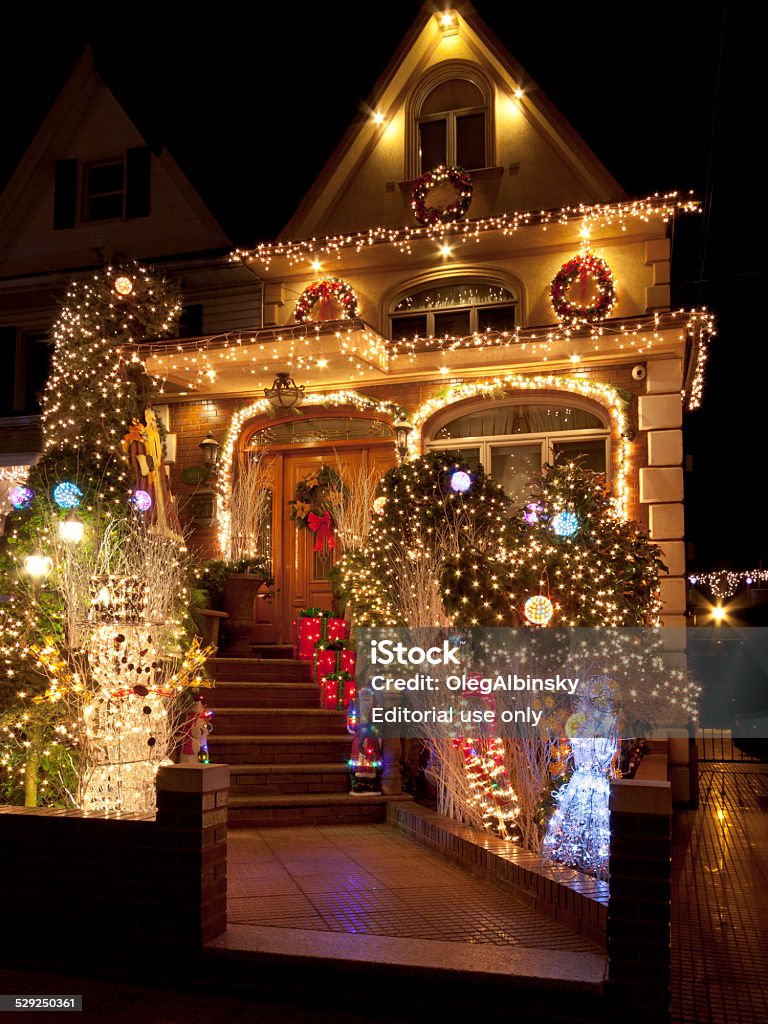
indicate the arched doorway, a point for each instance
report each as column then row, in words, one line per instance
column 289, row 449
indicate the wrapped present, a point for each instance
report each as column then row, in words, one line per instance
column 314, row 625
column 335, row 673
column 337, row 690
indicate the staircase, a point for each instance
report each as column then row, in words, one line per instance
column 287, row 756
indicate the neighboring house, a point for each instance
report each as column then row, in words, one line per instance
column 440, row 316
column 90, row 187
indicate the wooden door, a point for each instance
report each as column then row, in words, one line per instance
column 304, row 571
column 301, row 573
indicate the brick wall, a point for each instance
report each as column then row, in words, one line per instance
column 85, row 887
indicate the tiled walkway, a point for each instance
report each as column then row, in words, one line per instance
column 720, row 900
column 368, row 879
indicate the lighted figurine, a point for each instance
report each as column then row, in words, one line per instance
column 143, row 447
column 365, row 759
column 197, row 726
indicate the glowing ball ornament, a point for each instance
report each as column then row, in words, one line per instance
column 460, row 481
column 21, row 497
column 538, row 610
column 67, row 495
column 38, row 566
column 379, row 505
column 72, row 528
column 141, row 501
column 123, row 285
column 565, row 524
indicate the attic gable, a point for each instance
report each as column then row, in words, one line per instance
column 532, row 159
column 160, row 213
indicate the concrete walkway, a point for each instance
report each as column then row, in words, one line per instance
column 720, row 900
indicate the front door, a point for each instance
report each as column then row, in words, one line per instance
column 301, row 573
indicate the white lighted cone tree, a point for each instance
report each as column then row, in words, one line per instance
column 104, row 630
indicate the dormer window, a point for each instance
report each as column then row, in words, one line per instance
column 114, row 188
column 453, row 126
column 104, row 190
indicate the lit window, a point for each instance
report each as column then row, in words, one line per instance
column 452, row 126
column 513, row 441
column 455, row 310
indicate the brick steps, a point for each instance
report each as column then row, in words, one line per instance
column 276, row 748
column 308, row 809
column 283, row 721
column 265, row 695
column 259, row 670
column 287, row 756
column 275, row 779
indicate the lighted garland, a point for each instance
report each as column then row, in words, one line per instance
column 610, row 397
column 329, row 289
column 619, row 215
column 261, row 407
column 585, row 266
column 458, row 178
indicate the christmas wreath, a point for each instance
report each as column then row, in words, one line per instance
column 429, row 215
column 583, row 267
column 331, row 288
column 309, row 507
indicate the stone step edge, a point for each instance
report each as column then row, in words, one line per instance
column 258, row 661
column 291, row 737
column 524, row 971
column 575, row 899
column 288, row 769
column 285, row 684
column 279, row 711
column 315, row 799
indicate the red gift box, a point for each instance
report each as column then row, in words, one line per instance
column 335, row 694
column 309, row 630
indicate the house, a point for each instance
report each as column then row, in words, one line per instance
column 446, row 323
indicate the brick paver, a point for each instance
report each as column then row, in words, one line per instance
column 720, row 900
column 369, row 879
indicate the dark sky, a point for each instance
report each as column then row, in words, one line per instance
column 672, row 101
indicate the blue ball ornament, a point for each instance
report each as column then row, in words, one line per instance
column 565, row 524
column 67, row 494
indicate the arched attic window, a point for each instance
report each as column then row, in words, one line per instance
column 453, row 307
column 453, row 125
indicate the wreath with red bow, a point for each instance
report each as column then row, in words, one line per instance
column 331, row 288
column 309, row 505
column 585, row 267
column 429, row 215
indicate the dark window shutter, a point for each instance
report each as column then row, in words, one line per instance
column 65, row 195
column 8, row 376
column 137, row 182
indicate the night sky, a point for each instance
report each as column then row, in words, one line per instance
column 673, row 101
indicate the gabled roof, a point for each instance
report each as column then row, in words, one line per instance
column 415, row 55
column 32, row 181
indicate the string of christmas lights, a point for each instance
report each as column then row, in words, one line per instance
column 723, row 583
column 261, row 407
column 619, row 215
column 198, row 362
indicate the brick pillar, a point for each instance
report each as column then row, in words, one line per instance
column 191, row 826
column 639, row 908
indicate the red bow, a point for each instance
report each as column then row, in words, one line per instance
column 322, row 527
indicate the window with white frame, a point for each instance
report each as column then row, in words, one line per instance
column 452, row 126
column 513, row 440
column 455, row 309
